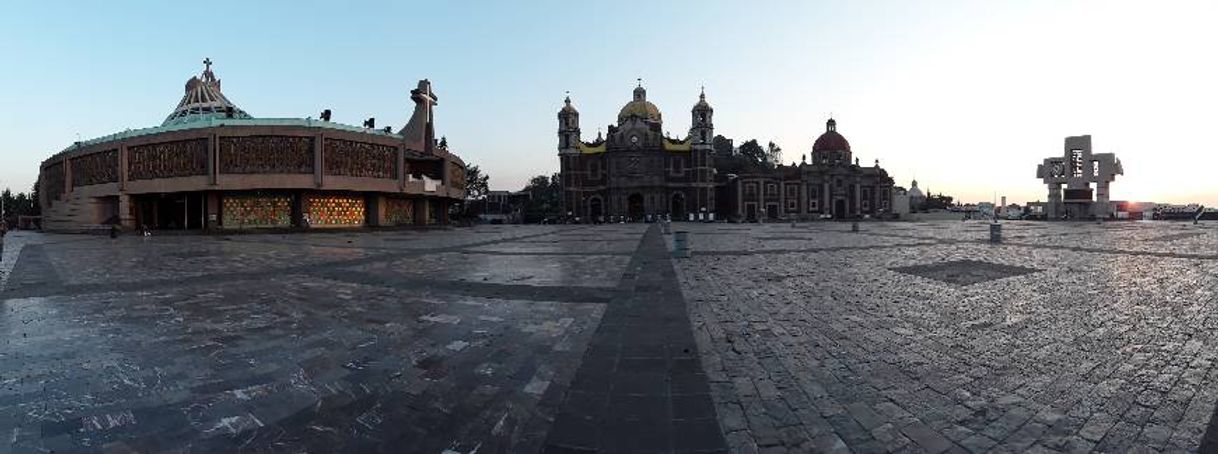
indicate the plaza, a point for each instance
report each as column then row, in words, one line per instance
column 806, row 337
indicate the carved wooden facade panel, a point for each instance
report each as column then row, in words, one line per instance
column 96, row 168
column 266, row 154
column 360, row 159
column 52, row 181
column 183, row 158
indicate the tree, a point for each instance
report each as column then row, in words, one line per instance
column 722, row 145
column 773, row 154
column 545, row 198
column 754, row 154
column 477, row 184
column 937, row 201
column 37, row 207
column 6, row 202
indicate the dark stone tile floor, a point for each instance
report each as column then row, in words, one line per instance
column 640, row 386
column 909, row 337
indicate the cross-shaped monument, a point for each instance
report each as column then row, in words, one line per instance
column 1078, row 169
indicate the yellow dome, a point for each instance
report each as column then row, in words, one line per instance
column 641, row 109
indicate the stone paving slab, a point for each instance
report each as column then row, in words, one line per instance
column 1105, row 350
column 291, row 363
column 640, row 386
column 574, row 338
column 527, row 269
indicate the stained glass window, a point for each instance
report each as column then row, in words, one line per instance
column 334, row 210
column 257, row 211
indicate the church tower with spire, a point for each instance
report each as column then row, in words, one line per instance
column 568, row 128
column 702, row 128
column 636, row 171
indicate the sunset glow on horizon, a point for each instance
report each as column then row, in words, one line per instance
column 967, row 96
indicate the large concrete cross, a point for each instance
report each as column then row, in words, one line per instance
column 1078, row 169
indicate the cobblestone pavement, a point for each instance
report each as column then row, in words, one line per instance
column 350, row 342
column 922, row 337
column 903, row 337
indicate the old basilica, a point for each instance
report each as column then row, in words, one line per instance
column 636, row 172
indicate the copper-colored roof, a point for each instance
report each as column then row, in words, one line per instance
column 831, row 140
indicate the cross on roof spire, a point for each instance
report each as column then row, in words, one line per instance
column 640, row 81
column 207, row 64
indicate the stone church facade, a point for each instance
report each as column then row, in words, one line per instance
column 636, row 171
column 833, row 185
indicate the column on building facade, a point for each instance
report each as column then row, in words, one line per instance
column 826, row 205
column 782, row 196
column 125, row 217
column 67, row 177
column 122, row 168
column 213, row 150
column 858, row 199
column 400, row 156
column 319, row 160
column 760, row 201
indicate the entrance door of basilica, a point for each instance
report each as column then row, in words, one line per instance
column 594, row 210
column 678, row 206
column 634, row 207
column 839, row 209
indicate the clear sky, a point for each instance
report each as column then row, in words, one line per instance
column 968, row 97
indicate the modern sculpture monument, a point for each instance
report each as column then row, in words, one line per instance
column 1078, row 169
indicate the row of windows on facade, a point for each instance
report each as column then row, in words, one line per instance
column 814, row 205
column 771, row 190
column 676, row 165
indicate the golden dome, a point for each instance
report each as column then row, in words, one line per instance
column 642, row 109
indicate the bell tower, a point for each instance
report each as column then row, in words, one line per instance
column 702, row 128
column 568, row 128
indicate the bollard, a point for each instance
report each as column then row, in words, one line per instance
column 854, row 226
column 995, row 233
column 680, row 245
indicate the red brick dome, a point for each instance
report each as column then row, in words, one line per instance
column 831, row 140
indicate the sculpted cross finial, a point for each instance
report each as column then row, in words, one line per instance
column 207, row 64
column 640, row 81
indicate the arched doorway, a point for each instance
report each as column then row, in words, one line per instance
column 839, row 209
column 678, row 206
column 595, row 210
column 634, row 207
